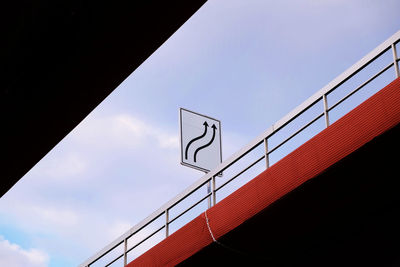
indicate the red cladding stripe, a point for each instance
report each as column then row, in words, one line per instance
column 370, row 119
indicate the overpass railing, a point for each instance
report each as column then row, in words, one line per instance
column 384, row 57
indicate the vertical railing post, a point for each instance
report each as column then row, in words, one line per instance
column 396, row 65
column 213, row 192
column 326, row 114
column 125, row 251
column 208, row 192
column 266, row 152
column 166, row 223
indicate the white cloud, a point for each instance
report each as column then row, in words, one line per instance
column 121, row 131
column 128, row 124
column 56, row 216
column 34, row 214
column 71, row 165
column 61, row 167
column 12, row 255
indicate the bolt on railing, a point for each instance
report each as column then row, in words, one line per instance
column 210, row 178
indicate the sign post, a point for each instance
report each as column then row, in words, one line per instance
column 200, row 137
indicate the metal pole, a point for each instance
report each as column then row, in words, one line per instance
column 166, row 223
column 125, row 250
column 325, row 100
column 396, row 66
column 213, row 192
column 266, row 153
column 208, row 192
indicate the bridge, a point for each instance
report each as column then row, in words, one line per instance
column 331, row 199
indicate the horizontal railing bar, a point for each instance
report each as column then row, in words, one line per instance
column 138, row 244
column 304, row 107
column 111, row 247
column 149, row 222
column 241, row 172
column 121, row 239
column 361, row 86
column 362, row 63
column 350, row 72
column 194, row 190
column 295, row 133
column 114, row 260
column 144, row 240
column 191, row 207
column 357, row 71
column 241, row 156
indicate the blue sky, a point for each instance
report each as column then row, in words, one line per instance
column 246, row 63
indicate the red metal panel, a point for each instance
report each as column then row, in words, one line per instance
column 373, row 117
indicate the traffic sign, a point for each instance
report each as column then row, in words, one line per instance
column 200, row 140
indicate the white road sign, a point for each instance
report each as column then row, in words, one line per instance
column 200, row 140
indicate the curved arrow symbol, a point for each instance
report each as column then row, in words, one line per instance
column 206, row 145
column 195, row 139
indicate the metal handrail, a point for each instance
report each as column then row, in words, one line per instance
column 361, row 86
column 261, row 139
column 240, row 173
